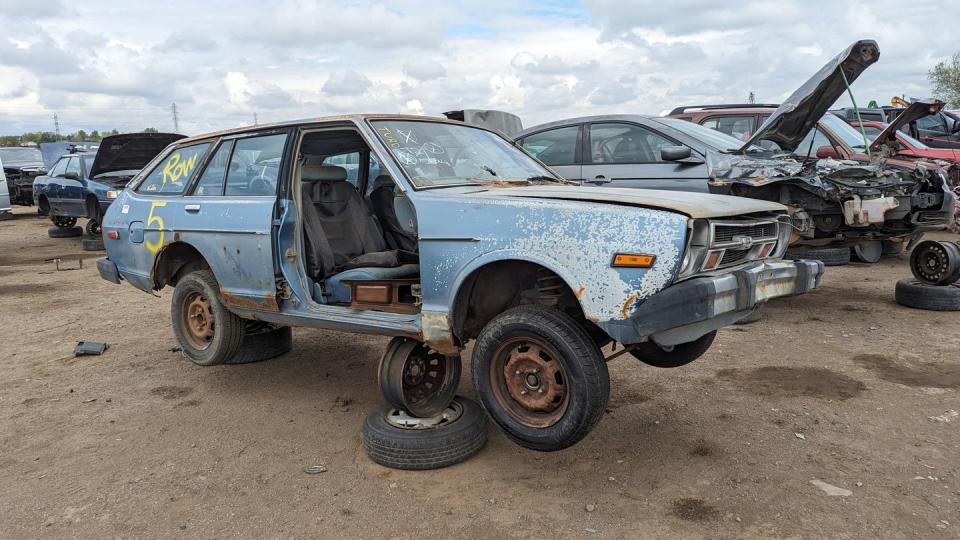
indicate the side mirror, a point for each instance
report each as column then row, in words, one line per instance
column 827, row 152
column 71, row 176
column 956, row 127
column 674, row 153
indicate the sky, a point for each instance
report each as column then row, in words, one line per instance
column 108, row 64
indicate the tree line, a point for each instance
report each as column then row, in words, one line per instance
column 49, row 136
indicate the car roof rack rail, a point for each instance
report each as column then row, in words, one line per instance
column 685, row 108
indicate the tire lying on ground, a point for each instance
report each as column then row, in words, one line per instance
column 891, row 249
column 395, row 439
column 915, row 294
column 829, row 256
column 868, row 252
column 679, row 355
column 263, row 341
column 64, row 232
column 92, row 244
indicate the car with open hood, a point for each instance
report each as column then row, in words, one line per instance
column 817, row 164
column 21, row 164
column 84, row 184
column 940, row 129
column 447, row 234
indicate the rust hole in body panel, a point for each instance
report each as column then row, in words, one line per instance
column 625, row 310
column 268, row 303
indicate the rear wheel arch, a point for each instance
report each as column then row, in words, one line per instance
column 175, row 260
column 43, row 203
column 92, row 207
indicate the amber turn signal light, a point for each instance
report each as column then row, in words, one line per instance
column 626, row 260
column 113, row 235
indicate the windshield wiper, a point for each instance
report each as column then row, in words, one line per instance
column 544, row 178
column 489, row 170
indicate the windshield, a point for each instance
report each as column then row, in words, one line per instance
column 436, row 154
column 850, row 135
column 20, row 155
column 912, row 142
column 714, row 139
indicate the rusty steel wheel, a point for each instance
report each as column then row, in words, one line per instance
column 208, row 333
column 416, row 379
column 540, row 377
column 530, row 382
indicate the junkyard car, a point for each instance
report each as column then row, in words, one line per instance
column 20, row 166
column 460, row 237
column 84, row 184
column 939, row 129
column 5, row 210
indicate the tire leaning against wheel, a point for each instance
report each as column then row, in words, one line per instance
column 585, row 380
column 680, row 355
column 262, row 341
column 915, row 294
column 197, row 293
column 64, row 232
column 829, row 256
column 426, row 448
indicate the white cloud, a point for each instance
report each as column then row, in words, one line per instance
column 99, row 67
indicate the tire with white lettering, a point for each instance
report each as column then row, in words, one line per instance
column 209, row 334
column 679, row 355
column 915, row 294
column 64, row 232
column 395, row 439
column 540, row 377
column 263, row 341
column 829, row 256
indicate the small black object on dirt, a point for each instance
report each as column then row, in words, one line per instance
column 85, row 348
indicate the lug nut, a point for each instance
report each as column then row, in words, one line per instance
column 540, row 390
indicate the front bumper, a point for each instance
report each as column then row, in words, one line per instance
column 685, row 311
column 108, row 270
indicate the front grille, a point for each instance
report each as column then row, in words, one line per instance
column 725, row 233
column 732, row 256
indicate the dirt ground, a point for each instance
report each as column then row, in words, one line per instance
column 841, row 386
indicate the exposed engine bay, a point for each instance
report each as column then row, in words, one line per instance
column 838, row 200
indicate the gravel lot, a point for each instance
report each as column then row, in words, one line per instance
column 841, row 386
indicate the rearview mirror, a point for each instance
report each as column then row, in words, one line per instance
column 674, row 153
column 827, row 152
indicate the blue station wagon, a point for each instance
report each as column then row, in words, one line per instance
column 446, row 234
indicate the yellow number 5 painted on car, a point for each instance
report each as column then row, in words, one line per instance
column 154, row 247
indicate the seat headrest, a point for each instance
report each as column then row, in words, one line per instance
column 384, row 180
column 320, row 173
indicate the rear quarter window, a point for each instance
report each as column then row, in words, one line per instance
column 172, row 175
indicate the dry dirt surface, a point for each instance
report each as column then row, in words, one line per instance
column 839, row 391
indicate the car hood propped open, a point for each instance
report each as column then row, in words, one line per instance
column 917, row 110
column 800, row 112
column 129, row 151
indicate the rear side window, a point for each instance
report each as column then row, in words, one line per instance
column 255, row 166
column 740, row 127
column 211, row 181
column 555, row 146
column 174, row 172
column 932, row 126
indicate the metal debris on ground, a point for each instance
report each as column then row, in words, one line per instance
column 95, row 348
column 57, row 260
column 948, row 416
column 315, row 469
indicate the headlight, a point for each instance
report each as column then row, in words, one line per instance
column 697, row 242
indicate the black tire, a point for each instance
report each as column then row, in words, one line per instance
column 583, row 377
column 64, row 232
column 443, row 445
column 262, row 341
column 753, row 317
column 92, row 244
column 892, row 249
column 829, row 256
column 868, row 252
column 915, row 294
column 416, row 379
column 92, row 229
column 653, row 355
column 198, row 293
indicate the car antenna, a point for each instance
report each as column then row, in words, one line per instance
column 856, row 112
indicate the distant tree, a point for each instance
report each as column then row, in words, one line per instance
column 80, row 135
column 150, row 130
column 945, row 78
column 95, row 135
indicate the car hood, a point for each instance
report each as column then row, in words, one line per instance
column 799, row 113
column 917, row 110
column 129, row 151
column 694, row 205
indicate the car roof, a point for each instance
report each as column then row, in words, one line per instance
column 322, row 119
column 583, row 119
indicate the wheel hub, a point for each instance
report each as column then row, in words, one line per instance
column 415, row 379
column 404, row 420
column 534, row 379
column 936, row 263
column 199, row 319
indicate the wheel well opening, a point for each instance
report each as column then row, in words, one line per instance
column 92, row 205
column 176, row 260
column 43, row 203
column 498, row 286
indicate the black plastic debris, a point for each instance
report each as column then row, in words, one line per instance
column 94, row 348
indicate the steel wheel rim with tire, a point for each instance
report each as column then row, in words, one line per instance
column 936, row 263
column 64, row 222
column 93, row 228
column 198, row 320
column 530, row 382
column 416, row 379
column 400, row 418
